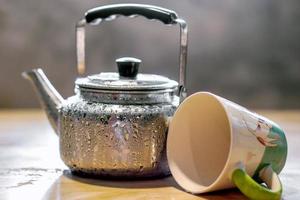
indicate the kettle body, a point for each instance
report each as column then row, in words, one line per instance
column 102, row 139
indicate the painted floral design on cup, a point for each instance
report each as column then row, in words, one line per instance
column 261, row 132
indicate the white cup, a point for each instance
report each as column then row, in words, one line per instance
column 215, row 144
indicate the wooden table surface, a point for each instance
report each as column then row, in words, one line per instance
column 30, row 166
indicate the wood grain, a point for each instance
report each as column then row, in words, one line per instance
column 30, row 167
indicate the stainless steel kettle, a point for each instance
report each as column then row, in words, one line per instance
column 116, row 123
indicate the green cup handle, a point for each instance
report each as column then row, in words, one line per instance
column 254, row 190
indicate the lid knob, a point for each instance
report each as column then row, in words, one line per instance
column 128, row 67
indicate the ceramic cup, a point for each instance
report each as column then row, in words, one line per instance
column 215, row 144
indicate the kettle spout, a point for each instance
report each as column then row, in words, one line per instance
column 48, row 96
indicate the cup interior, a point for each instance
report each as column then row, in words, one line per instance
column 199, row 141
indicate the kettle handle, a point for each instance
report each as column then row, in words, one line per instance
column 96, row 15
column 110, row 12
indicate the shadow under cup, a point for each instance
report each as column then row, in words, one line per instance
column 199, row 146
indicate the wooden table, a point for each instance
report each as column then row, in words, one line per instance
column 30, row 167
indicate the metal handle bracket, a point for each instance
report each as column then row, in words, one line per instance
column 96, row 15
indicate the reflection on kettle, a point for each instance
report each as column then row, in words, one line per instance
column 68, row 186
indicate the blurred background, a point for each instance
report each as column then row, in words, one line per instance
column 245, row 50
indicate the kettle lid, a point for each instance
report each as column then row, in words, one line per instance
column 127, row 79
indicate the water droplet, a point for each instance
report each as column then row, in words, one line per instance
column 111, row 137
column 141, row 168
column 126, row 136
column 154, row 164
column 116, row 124
column 146, row 142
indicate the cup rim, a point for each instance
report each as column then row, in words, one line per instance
column 203, row 189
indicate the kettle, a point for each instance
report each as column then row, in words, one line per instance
column 116, row 123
